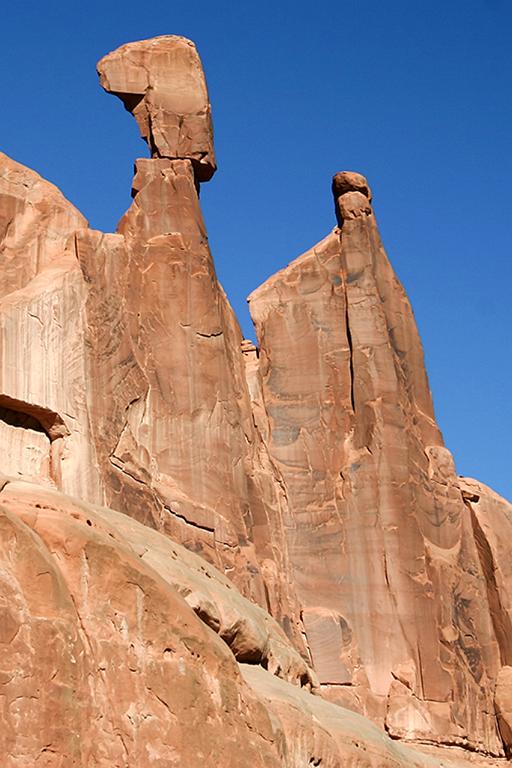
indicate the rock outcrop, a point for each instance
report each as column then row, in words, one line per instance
column 296, row 556
column 392, row 591
column 120, row 648
column 134, row 349
column 104, row 662
column 161, row 82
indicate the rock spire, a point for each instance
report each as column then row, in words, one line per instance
column 216, row 552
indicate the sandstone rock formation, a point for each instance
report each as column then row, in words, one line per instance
column 120, row 648
column 296, row 556
column 393, row 594
column 161, row 82
column 134, row 349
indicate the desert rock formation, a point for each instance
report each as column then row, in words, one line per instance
column 297, row 568
column 161, row 82
column 379, row 527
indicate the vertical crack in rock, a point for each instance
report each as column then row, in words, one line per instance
column 378, row 553
column 349, row 338
column 500, row 618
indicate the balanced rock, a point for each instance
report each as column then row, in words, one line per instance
column 350, row 181
column 161, row 82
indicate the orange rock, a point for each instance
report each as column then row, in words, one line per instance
column 107, row 658
column 161, row 82
column 503, row 703
column 309, row 470
column 36, row 221
column 349, row 181
column 103, row 662
column 386, row 568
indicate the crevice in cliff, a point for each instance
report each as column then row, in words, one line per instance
column 185, row 520
column 212, row 335
column 18, row 413
column 499, row 617
column 82, row 628
column 349, row 341
column 4, row 482
column 117, row 464
column 20, row 420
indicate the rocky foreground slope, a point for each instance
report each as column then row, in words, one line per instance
column 299, row 577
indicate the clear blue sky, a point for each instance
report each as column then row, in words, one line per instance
column 415, row 95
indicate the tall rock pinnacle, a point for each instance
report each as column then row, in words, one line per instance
column 161, row 82
column 386, row 568
column 296, row 555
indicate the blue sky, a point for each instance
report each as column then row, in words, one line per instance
column 415, row 95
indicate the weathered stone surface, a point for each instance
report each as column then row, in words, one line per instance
column 173, row 425
column 103, row 662
column 491, row 517
column 503, row 703
column 318, row 733
column 106, row 662
column 36, row 221
column 392, row 593
column 134, row 350
column 248, row 630
column 310, row 470
column 42, row 337
column 161, row 82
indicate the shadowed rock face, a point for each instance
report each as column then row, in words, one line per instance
column 310, row 471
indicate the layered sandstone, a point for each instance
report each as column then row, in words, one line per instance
column 132, row 365
column 42, row 338
column 161, row 82
column 288, row 507
column 392, row 591
column 149, row 675
column 104, row 663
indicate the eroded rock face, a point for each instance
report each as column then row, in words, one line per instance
column 115, row 651
column 491, row 518
column 42, row 335
column 392, row 593
column 36, row 221
column 161, row 82
column 309, row 470
column 503, row 704
column 102, row 658
column 173, row 430
column 133, row 348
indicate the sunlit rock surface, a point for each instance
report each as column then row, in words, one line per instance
column 392, row 590
column 220, row 553
column 120, row 648
column 161, row 82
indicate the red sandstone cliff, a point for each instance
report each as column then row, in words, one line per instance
column 329, row 548
column 392, row 591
